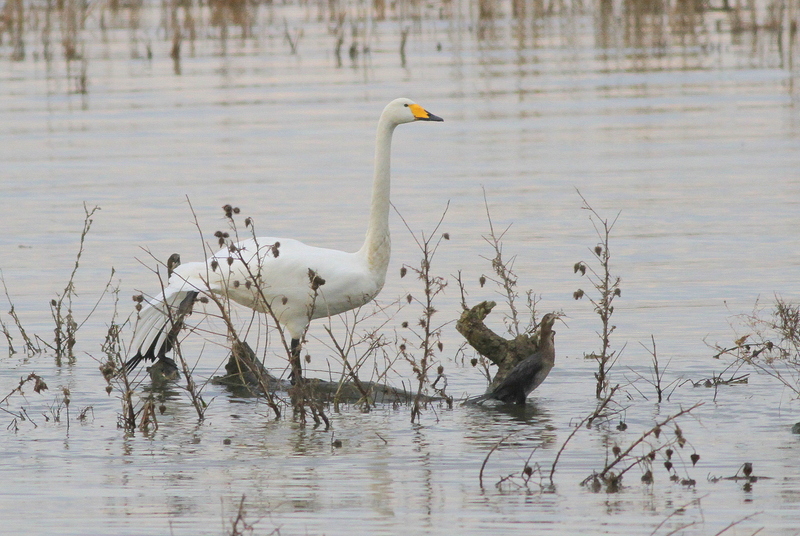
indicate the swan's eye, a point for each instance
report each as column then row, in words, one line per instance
column 406, row 105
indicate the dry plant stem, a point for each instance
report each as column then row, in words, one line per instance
column 30, row 347
column 9, row 338
column 432, row 286
column 657, row 374
column 589, row 418
column 38, row 386
column 776, row 338
column 65, row 325
column 676, row 511
column 608, row 288
column 734, row 523
column 365, row 398
column 240, row 527
column 486, row 459
column 236, row 344
column 114, row 370
column 505, row 272
column 624, row 454
column 176, row 321
column 225, row 307
column 351, row 346
column 255, row 278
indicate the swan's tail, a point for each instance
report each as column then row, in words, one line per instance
column 161, row 317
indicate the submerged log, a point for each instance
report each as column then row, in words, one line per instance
column 248, row 376
column 504, row 353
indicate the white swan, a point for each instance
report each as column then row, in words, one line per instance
column 297, row 282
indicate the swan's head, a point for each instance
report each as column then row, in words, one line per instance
column 401, row 111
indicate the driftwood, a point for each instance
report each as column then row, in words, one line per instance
column 246, row 375
column 502, row 352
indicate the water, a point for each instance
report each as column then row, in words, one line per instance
column 685, row 123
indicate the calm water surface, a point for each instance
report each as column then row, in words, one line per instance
column 683, row 122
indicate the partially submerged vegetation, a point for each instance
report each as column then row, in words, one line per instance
column 768, row 340
column 368, row 344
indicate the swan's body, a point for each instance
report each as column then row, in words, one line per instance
column 295, row 282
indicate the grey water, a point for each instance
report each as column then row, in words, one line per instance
column 678, row 121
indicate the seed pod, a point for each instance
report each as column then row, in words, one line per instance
column 474, row 361
column 404, row 324
column 284, row 300
column 403, row 271
column 668, row 452
column 236, row 210
column 668, row 465
column 598, row 250
column 578, row 294
column 218, row 234
column 446, row 236
column 440, row 370
column 441, row 347
column 214, row 265
column 230, row 261
column 695, row 458
column 409, row 298
column 747, row 468
column 528, row 470
column 647, row 477
column 616, row 450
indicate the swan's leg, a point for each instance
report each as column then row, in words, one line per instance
column 296, row 375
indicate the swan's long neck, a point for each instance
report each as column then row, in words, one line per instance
column 377, row 245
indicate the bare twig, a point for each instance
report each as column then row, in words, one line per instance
column 486, row 459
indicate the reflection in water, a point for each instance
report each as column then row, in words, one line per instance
column 646, row 33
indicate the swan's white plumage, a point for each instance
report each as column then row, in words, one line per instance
column 282, row 271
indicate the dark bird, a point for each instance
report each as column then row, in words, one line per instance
column 530, row 372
